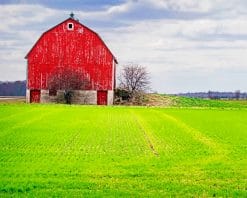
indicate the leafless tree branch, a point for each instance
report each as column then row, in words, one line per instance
column 68, row 80
column 135, row 79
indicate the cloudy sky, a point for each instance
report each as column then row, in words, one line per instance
column 187, row 45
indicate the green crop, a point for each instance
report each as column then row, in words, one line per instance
column 198, row 102
column 83, row 151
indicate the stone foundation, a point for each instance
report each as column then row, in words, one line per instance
column 79, row 97
column 110, row 97
column 88, row 97
column 85, row 97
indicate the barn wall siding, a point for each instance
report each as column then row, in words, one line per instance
column 80, row 50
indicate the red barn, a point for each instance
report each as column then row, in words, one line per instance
column 71, row 45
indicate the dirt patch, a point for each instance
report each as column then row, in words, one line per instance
column 158, row 100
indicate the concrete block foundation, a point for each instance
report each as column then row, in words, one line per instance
column 88, row 97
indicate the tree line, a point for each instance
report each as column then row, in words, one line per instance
column 17, row 88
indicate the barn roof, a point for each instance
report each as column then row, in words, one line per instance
column 75, row 21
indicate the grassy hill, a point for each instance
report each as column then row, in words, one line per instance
column 90, row 151
column 179, row 101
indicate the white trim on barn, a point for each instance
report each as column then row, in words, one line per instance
column 27, row 96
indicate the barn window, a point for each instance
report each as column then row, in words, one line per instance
column 52, row 92
column 70, row 26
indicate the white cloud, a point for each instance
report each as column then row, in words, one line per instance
column 19, row 15
column 179, row 47
column 195, row 5
column 171, row 48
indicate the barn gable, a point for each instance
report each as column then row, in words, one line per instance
column 66, row 22
column 71, row 45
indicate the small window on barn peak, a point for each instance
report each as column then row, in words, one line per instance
column 70, row 26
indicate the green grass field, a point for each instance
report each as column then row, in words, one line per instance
column 71, row 151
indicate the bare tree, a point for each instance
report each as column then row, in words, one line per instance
column 135, row 80
column 68, row 80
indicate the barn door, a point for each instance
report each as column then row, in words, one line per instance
column 35, row 96
column 102, row 98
